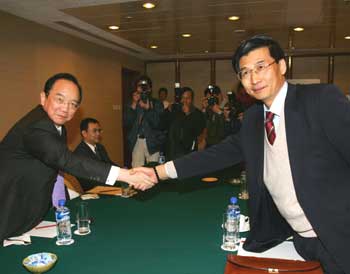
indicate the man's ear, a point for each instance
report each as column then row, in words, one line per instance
column 84, row 133
column 43, row 98
column 282, row 66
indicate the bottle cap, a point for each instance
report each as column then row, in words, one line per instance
column 233, row 200
column 61, row 202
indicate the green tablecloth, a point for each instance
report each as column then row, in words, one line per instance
column 174, row 228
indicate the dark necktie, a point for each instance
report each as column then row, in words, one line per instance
column 269, row 127
column 98, row 154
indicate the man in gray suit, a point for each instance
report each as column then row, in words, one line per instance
column 34, row 150
column 295, row 144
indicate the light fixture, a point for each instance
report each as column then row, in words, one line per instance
column 113, row 27
column 128, row 17
column 347, row 37
column 154, row 47
column 206, row 51
column 148, row 5
column 298, row 29
column 186, row 35
column 239, row 30
column 233, row 18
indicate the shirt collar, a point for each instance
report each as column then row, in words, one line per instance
column 92, row 147
column 278, row 102
column 59, row 129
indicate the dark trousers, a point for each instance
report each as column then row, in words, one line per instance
column 312, row 249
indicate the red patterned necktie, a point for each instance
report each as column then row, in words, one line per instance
column 269, row 127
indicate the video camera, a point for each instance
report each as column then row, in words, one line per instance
column 213, row 92
column 145, row 90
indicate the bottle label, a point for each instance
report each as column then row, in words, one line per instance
column 62, row 215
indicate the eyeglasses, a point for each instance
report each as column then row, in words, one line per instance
column 60, row 101
column 245, row 74
column 99, row 130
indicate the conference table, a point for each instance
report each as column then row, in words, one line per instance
column 173, row 228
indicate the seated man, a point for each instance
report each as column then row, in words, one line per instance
column 90, row 146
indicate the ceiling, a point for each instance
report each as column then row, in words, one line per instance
column 325, row 22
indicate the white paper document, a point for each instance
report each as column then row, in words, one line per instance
column 45, row 229
column 285, row 250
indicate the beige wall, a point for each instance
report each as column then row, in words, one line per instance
column 196, row 75
column 162, row 75
column 341, row 73
column 30, row 53
column 226, row 78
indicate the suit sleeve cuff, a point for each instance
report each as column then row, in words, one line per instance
column 113, row 175
column 170, row 170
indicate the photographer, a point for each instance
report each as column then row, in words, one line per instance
column 211, row 107
column 187, row 124
column 142, row 119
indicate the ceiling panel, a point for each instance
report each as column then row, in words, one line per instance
column 326, row 22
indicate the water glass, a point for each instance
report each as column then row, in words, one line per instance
column 243, row 195
column 83, row 219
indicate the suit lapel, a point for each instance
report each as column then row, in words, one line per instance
column 259, row 143
column 64, row 134
column 89, row 151
column 295, row 133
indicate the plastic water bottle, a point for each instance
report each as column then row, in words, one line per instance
column 161, row 159
column 64, row 232
column 231, row 236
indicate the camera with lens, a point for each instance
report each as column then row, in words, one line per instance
column 212, row 98
column 145, row 90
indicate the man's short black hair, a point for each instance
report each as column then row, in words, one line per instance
column 84, row 124
column 216, row 90
column 257, row 41
column 188, row 89
column 163, row 89
column 66, row 76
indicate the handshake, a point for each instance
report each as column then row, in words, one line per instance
column 142, row 178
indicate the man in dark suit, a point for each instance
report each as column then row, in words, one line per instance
column 90, row 146
column 298, row 164
column 34, row 150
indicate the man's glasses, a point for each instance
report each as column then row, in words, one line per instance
column 95, row 130
column 61, row 101
column 245, row 74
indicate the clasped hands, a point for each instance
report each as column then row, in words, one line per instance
column 141, row 178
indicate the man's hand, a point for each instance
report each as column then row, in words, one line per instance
column 138, row 180
column 144, row 105
column 152, row 175
column 204, row 103
column 216, row 108
column 135, row 99
column 148, row 172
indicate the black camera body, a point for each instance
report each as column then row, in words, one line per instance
column 145, row 90
column 212, row 99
